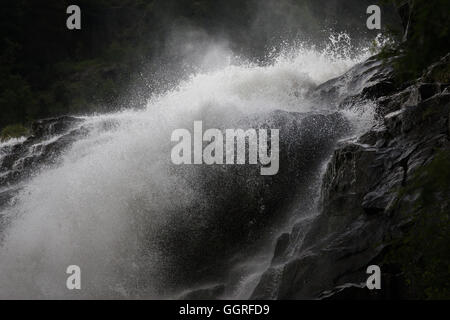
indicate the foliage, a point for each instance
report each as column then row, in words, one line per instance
column 424, row 252
column 428, row 37
column 13, row 131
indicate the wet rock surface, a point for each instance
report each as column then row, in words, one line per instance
column 18, row 162
column 359, row 215
column 48, row 139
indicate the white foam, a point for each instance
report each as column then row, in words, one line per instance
column 113, row 188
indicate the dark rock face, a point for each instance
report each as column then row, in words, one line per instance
column 48, row 139
column 359, row 215
column 368, row 80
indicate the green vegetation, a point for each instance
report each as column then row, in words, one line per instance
column 440, row 74
column 13, row 131
column 48, row 70
column 428, row 37
column 424, row 252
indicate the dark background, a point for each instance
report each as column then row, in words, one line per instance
column 127, row 49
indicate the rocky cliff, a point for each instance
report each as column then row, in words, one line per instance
column 385, row 198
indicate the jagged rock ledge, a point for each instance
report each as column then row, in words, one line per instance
column 369, row 201
column 49, row 137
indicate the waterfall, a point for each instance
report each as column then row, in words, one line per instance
column 111, row 201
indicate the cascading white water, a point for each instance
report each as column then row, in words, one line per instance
column 113, row 189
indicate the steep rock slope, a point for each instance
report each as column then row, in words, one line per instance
column 385, row 198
